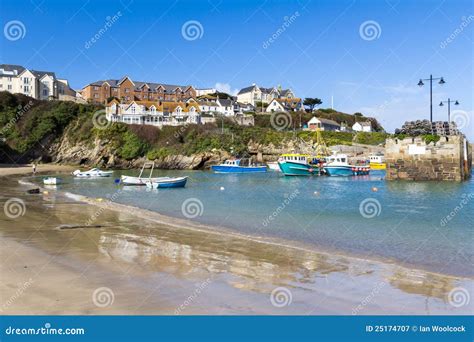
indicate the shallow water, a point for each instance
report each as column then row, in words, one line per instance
column 363, row 216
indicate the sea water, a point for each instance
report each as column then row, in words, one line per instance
column 421, row 224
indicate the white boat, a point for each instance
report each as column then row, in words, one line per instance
column 51, row 181
column 168, row 182
column 95, row 172
column 140, row 180
column 274, row 166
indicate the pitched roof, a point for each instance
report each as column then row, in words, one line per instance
column 10, row 69
column 328, row 122
column 247, row 89
column 364, row 123
column 40, row 74
column 225, row 102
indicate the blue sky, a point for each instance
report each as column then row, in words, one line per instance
column 318, row 48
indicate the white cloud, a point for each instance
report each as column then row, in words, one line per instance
column 226, row 88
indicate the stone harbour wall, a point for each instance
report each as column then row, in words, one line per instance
column 449, row 159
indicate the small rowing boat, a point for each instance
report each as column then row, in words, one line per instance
column 235, row 166
column 140, row 180
column 167, row 182
column 51, row 181
column 273, row 166
column 92, row 173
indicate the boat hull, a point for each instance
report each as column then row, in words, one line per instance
column 238, row 169
column 129, row 180
column 350, row 170
column 378, row 166
column 296, row 169
column 273, row 166
column 178, row 182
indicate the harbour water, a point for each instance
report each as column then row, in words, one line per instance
column 426, row 225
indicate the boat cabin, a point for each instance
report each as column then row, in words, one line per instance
column 295, row 158
column 376, row 158
column 233, row 162
column 340, row 158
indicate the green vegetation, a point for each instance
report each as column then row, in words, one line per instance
column 26, row 122
column 312, row 102
column 428, row 138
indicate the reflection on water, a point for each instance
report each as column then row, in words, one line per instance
column 244, row 264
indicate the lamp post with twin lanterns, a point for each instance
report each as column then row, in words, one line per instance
column 431, row 79
column 456, row 103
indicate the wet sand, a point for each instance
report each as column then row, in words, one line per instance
column 120, row 260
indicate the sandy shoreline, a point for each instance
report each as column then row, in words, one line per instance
column 154, row 264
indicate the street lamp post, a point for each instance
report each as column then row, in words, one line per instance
column 431, row 79
column 456, row 103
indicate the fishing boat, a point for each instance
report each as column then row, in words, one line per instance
column 167, row 182
column 140, row 180
column 338, row 165
column 377, row 162
column 294, row 164
column 92, row 173
column 237, row 166
column 51, row 181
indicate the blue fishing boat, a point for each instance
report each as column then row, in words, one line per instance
column 167, row 182
column 236, row 166
column 294, row 164
column 338, row 165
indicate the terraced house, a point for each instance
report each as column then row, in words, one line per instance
column 156, row 113
column 127, row 90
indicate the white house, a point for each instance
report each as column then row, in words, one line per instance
column 322, row 124
column 362, row 126
column 205, row 91
column 254, row 93
column 284, row 105
column 153, row 113
column 42, row 85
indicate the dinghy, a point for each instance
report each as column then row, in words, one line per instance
column 140, row 180
column 92, row 173
column 51, row 181
column 167, row 182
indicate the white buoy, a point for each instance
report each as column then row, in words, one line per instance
column 222, row 188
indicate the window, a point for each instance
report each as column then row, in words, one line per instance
column 9, row 87
column 96, row 88
column 26, row 89
column 133, row 109
column 26, row 80
column 45, row 92
column 1, row 86
column 96, row 96
column 127, row 90
column 9, row 79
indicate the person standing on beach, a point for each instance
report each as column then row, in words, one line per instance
column 34, row 169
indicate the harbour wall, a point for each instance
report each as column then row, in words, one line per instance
column 449, row 159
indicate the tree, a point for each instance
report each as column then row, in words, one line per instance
column 312, row 102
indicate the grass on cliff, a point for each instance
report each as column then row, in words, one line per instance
column 24, row 122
